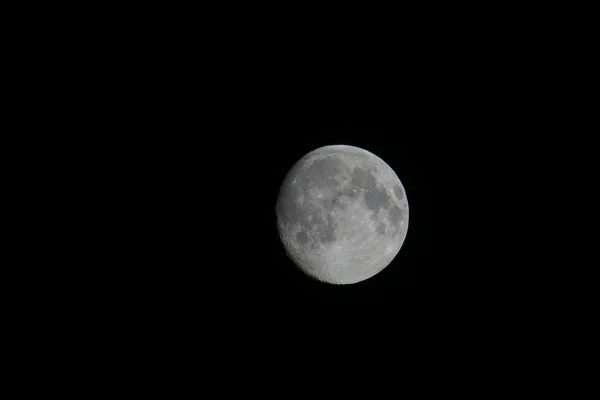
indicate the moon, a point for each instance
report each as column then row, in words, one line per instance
column 342, row 214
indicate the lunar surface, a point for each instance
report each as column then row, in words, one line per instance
column 342, row 214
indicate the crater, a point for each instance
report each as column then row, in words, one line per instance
column 292, row 212
column 380, row 228
column 316, row 220
column 302, row 237
column 396, row 214
column 326, row 231
column 398, row 192
column 362, row 178
column 334, row 202
column 321, row 173
column 288, row 210
column 376, row 200
column 350, row 191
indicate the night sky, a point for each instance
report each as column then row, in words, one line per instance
column 200, row 223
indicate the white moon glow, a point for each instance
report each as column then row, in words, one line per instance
column 342, row 214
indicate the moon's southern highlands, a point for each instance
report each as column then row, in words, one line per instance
column 342, row 214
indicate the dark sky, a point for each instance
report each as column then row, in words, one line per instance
column 197, row 158
column 195, row 182
column 195, row 204
column 186, row 206
column 202, row 228
column 187, row 144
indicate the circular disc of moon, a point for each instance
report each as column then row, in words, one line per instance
column 342, row 214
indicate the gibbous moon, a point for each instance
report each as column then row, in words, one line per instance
column 342, row 214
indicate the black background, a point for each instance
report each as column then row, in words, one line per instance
column 202, row 223
column 180, row 146
column 193, row 147
column 193, row 205
column 193, row 184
